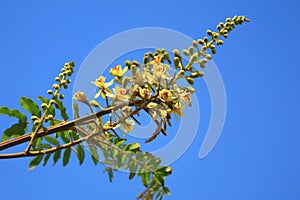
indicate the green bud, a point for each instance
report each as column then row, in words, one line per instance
column 190, row 80
column 185, row 52
column 195, row 44
column 197, row 74
column 65, row 86
column 225, row 35
column 191, row 50
column 194, row 58
column 220, row 42
column 190, row 89
column 136, row 63
column 51, row 101
column 200, row 41
column 127, row 63
column 33, row 118
column 61, row 96
column 209, row 32
column 50, row 117
column 228, row 19
column 219, row 27
column 203, row 63
column 146, row 59
column 36, row 122
column 49, row 91
column 55, row 86
column 208, row 56
column 57, row 79
column 176, row 62
column 44, row 105
column 205, row 39
column 212, row 46
column 213, row 51
column 176, row 53
column 63, row 82
column 69, row 81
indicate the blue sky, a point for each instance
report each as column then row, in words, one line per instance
column 257, row 156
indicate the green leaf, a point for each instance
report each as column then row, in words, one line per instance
column 51, row 110
column 110, row 173
column 30, row 106
column 64, row 135
column 14, row 131
column 133, row 166
column 35, row 162
column 62, row 108
column 159, row 179
column 46, row 158
column 145, row 178
column 66, row 157
column 56, row 156
column 133, row 146
column 94, row 154
column 119, row 141
column 52, row 140
column 80, row 154
column 44, row 146
column 13, row 113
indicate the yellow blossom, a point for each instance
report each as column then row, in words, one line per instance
column 165, row 95
column 100, row 82
column 118, row 71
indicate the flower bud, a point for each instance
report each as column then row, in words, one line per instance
column 127, row 62
column 55, row 86
column 33, row 118
column 80, row 96
column 205, row 39
column 135, row 62
column 49, row 91
column 191, row 50
column 220, row 42
column 50, row 117
column 195, row 44
column 146, row 59
column 44, row 105
column 209, row 32
column 61, row 96
column 190, row 80
column 185, row 52
column 200, row 41
column 57, row 79
column 176, row 53
column 36, row 122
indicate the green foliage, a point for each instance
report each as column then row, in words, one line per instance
column 29, row 105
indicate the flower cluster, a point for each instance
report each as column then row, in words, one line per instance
column 153, row 86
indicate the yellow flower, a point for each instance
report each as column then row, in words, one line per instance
column 100, row 82
column 165, row 95
column 118, row 71
column 156, row 59
column 144, row 92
